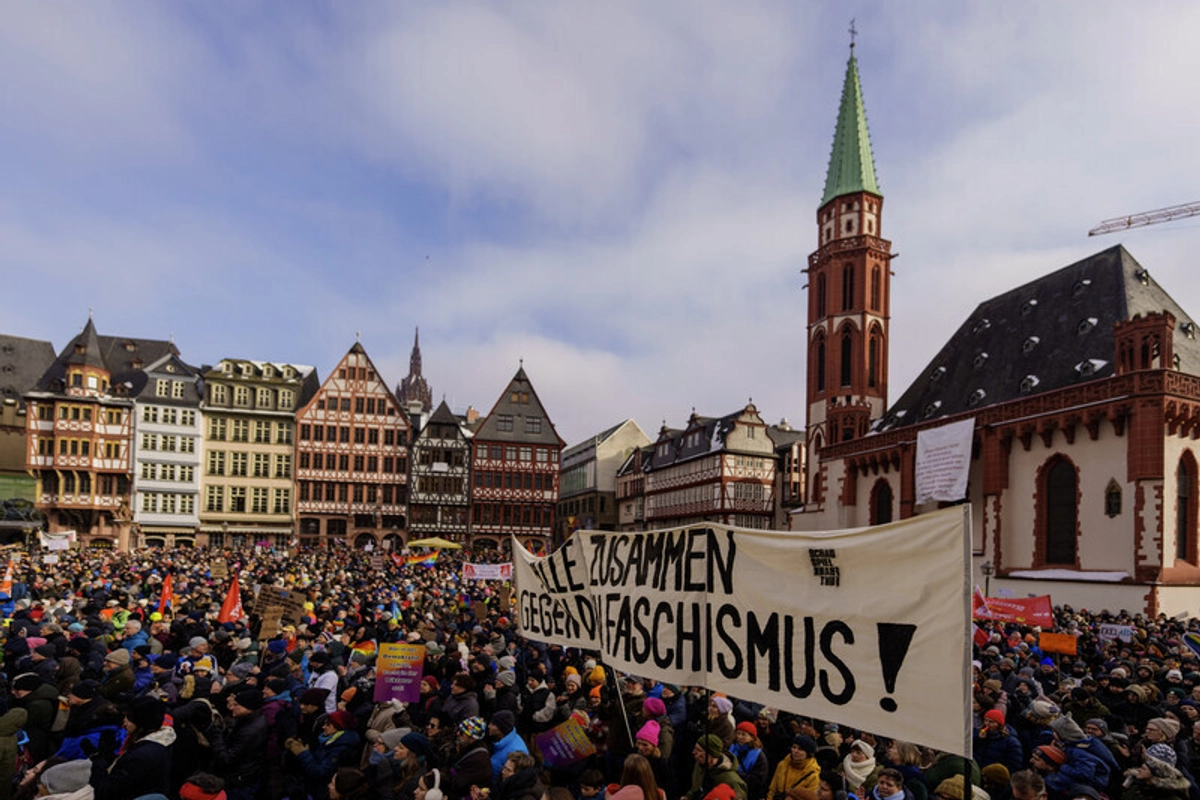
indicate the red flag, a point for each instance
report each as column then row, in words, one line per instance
column 166, row 596
column 981, row 636
column 231, row 609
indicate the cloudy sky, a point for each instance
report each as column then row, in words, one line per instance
column 622, row 194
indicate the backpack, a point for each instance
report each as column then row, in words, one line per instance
column 61, row 716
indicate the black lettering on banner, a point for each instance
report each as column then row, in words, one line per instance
column 624, row 630
column 763, row 639
column 662, row 660
column 616, row 567
column 724, row 567
column 610, row 622
column 650, row 567
column 694, row 553
column 641, row 610
column 827, row 633
column 734, row 669
column 568, row 566
column 673, row 548
column 586, row 615
column 633, row 564
column 599, row 546
column 683, row 634
column 804, row 689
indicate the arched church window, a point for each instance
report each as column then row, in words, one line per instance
column 881, row 502
column 1059, row 495
column 1185, row 509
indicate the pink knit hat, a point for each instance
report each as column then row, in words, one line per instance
column 649, row 733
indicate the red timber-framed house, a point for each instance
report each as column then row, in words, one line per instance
column 515, row 471
column 352, row 460
column 1084, row 391
column 717, row 469
column 80, row 424
column 440, row 496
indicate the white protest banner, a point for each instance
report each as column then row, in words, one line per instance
column 944, row 462
column 867, row 627
column 1109, row 631
column 59, row 540
column 487, row 572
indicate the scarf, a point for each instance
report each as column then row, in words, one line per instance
column 857, row 772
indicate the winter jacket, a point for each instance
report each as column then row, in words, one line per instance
column 321, row 762
column 1170, row 787
column 1000, row 749
column 238, row 753
column 725, row 771
column 789, row 776
column 472, row 768
column 461, row 706
column 42, row 706
column 144, row 768
column 10, row 726
column 511, row 742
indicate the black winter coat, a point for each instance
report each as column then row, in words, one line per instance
column 238, row 753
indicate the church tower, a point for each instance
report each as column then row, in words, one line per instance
column 848, row 291
column 414, row 387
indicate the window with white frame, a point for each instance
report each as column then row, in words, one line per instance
column 149, row 503
column 216, row 462
column 217, row 429
column 237, row 464
column 149, row 414
column 162, row 388
column 283, row 501
column 214, row 498
column 262, row 465
column 149, row 441
column 219, row 394
column 283, row 466
column 177, row 390
column 187, row 417
column 241, row 396
column 187, row 504
column 258, row 501
column 187, row 444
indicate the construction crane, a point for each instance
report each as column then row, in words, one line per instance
column 1146, row 218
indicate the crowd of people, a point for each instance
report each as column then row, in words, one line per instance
column 118, row 687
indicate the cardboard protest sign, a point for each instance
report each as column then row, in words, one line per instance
column 219, row 568
column 867, row 626
column 1063, row 643
column 565, row 744
column 398, row 669
column 1109, row 631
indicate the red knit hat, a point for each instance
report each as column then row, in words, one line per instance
column 996, row 715
column 748, row 727
column 1051, row 753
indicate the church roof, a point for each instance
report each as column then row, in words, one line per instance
column 1051, row 333
column 851, row 164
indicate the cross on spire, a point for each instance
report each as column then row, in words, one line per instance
column 853, row 33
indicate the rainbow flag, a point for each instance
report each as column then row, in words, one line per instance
column 427, row 560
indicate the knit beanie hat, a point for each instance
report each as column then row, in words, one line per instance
column 996, row 774
column 418, row 743
column 120, row 657
column 1159, row 768
column 147, row 713
column 1162, row 752
column 70, row 776
column 472, row 727
column 1168, row 726
column 806, row 743
column 1067, row 730
column 996, row 715
column 648, row 733
column 573, row 678
column 1099, row 723
column 711, row 743
column 507, row 677
column 724, row 704
column 951, row 787
column 505, row 720
column 654, row 707
column 342, row 720
column 748, row 727
column 1052, row 754
column 27, row 682
column 859, row 744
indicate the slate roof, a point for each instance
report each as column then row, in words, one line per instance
column 713, row 432
column 1051, row 333
column 490, row 430
column 173, row 367
column 122, row 357
column 22, row 363
column 851, row 164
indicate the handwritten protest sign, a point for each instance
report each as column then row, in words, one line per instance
column 398, row 669
column 867, row 626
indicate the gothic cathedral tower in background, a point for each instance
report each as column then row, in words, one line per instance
column 848, row 292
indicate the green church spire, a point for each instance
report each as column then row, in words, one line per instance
column 851, row 165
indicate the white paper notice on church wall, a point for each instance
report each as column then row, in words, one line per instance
column 944, row 462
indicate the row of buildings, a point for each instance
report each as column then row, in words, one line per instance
column 123, row 443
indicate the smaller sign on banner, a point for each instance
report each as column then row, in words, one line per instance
column 398, row 670
column 565, row 744
column 1108, row 631
column 1062, row 643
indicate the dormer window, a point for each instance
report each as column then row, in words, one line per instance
column 1085, row 368
column 226, row 367
column 1188, row 329
column 976, row 397
column 1028, row 306
column 981, row 326
column 1086, row 325
column 1029, row 344
column 1080, row 286
column 1029, row 383
column 937, row 374
column 980, row 360
column 1143, row 276
column 932, row 408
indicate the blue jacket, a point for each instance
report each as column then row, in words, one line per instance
column 1004, row 750
column 511, row 742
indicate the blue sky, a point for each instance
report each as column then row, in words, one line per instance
column 622, row 194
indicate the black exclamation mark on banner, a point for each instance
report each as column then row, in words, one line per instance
column 894, row 640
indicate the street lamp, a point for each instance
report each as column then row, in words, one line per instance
column 988, row 570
